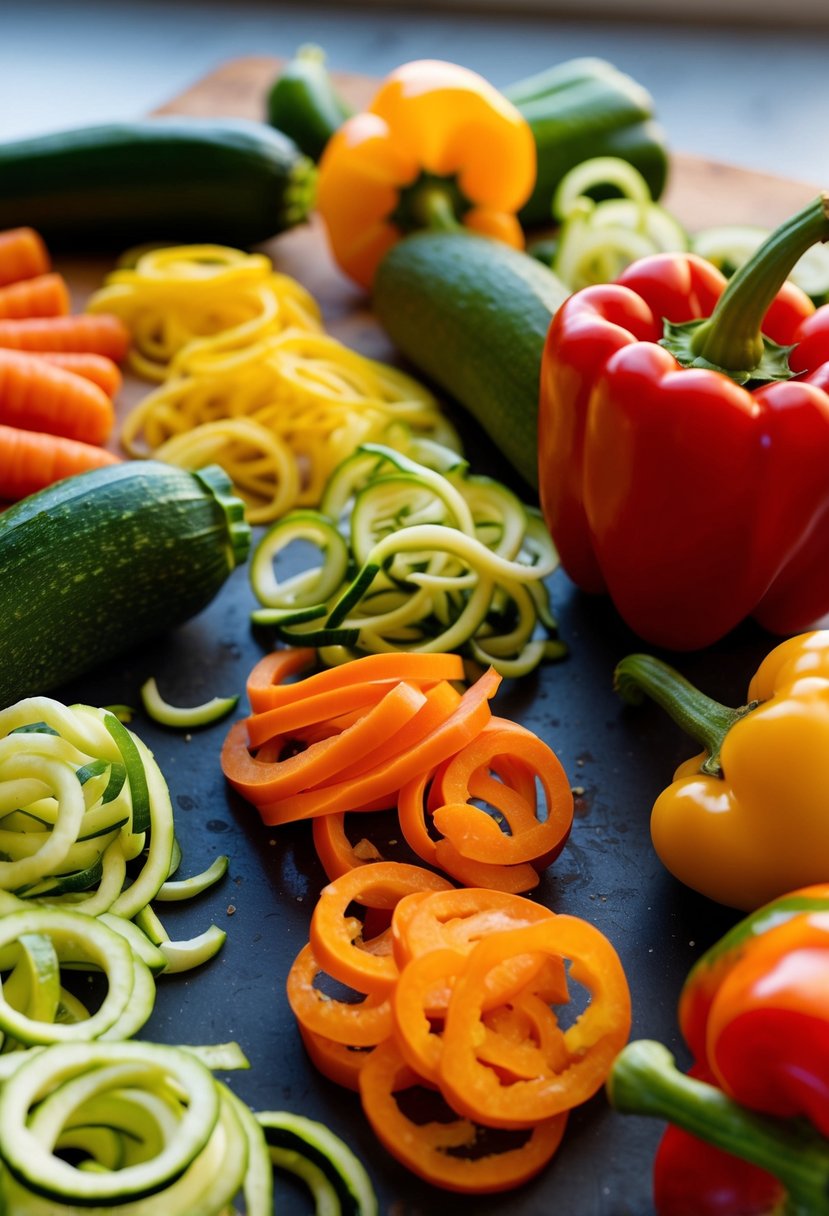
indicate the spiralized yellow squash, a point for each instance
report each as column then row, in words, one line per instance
column 250, row 380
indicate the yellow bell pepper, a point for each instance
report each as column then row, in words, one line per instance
column 748, row 819
column 437, row 147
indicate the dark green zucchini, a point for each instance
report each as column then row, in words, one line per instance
column 291, row 1136
column 165, row 179
column 104, row 560
column 584, row 108
column 304, row 103
column 471, row 315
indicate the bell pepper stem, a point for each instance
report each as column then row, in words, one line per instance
column 700, row 716
column 435, row 210
column 644, row 1080
column 731, row 337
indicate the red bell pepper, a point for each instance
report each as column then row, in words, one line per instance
column 755, row 1012
column 684, row 442
column 694, row 1178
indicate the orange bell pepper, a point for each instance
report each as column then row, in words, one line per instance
column 380, row 885
column 437, row 147
column 592, row 1042
column 427, row 1148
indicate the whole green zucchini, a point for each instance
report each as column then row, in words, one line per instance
column 472, row 314
column 584, row 108
column 174, row 179
column 303, row 102
column 99, row 562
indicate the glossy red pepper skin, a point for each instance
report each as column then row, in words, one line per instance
column 693, row 1178
column 767, row 1039
column 693, row 502
column 707, row 974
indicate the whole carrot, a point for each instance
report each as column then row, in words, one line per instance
column 100, row 369
column 37, row 396
column 31, row 460
column 46, row 295
column 23, row 255
column 101, row 334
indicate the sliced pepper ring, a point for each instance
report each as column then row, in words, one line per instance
column 433, row 1150
column 332, row 936
column 593, row 1041
column 353, row 1024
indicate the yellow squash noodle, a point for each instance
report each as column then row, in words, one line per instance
column 250, row 380
column 198, row 297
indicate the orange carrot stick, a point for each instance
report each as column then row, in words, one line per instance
column 36, row 396
column 102, row 334
column 30, row 461
column 46, row 295
column 100, row 369
column 23, row 255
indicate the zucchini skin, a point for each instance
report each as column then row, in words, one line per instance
column 172, row 179
column 102, row 561
column 584, row 108
column 304, row 103
column 472, row 315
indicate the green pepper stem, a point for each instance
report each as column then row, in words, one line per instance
column 731, row 338
column 433, row 207
column 644, row 1080
column 700, row 716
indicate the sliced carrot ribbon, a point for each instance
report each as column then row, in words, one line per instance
column 392, row 731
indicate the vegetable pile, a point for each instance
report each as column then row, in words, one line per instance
column 374, row 734
column 419, row 555
column 456, row 996
column 250, row 380
column 58, row 373
column 674, row 423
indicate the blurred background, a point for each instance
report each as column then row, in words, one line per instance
column 736, row 80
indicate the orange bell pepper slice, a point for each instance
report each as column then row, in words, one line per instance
column 513, row 879
column 476, row 834
column 438, row 146
column 457, row 919
column 430, row 1149
column 593, row 1041
column 385, row 779
column 335, row 850
column 332, row 934
column 336, row 1061
column 352, row 1024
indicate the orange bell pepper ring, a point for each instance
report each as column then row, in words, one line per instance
column 438, row 147
column 380, row 885
column 434, row 1150
column 592, row 1042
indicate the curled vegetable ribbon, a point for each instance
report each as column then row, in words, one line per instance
column 438, row 147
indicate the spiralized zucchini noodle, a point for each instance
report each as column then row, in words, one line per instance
column 250, row 380
column 87, row 842
column 415, row 554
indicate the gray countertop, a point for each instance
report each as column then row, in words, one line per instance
column 751, row 94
